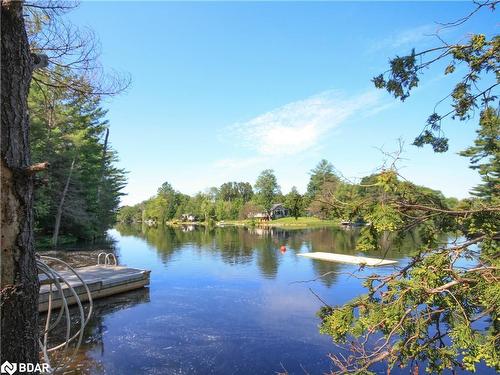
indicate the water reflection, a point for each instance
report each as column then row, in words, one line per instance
column 222, row 301
column 237, row 245
column 89, row 358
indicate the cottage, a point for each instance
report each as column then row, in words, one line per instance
column 188, row 217
column 150, row 222
column 277, row 211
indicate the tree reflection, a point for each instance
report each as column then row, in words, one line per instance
column 239, row 245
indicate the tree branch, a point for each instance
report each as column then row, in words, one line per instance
column 38, row 167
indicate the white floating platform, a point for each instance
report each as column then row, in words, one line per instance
column 342, row 258
column 102, row 281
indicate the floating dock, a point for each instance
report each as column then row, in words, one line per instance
column 342, row 258
column 102, row 281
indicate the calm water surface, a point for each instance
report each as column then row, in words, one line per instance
column 221, row 301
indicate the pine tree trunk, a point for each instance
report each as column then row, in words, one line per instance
column 60, row 208
column 19, row 277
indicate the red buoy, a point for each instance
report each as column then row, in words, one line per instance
column 283, row 249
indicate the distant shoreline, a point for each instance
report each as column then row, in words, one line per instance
column 301, row 222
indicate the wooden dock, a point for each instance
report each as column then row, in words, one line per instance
column 342, row 258
column 102, row 281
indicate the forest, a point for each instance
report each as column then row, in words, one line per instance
column 78, row 196
column 329, row 196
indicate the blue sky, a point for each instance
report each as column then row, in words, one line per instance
column 223, row 90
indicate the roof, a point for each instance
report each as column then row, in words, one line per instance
column 276, row 205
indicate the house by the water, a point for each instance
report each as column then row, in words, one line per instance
column 189, row 218
column 278, row 210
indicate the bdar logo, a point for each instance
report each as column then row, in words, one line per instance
column 8, row 368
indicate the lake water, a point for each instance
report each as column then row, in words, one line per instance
column 221, row 301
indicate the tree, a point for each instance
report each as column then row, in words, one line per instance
column 248, row 209
column 443, row 306
column 294, row 202
column 321, row 196
column 478, row 55
column 267, row 189
column 230, row 191
column 321, row 174
column 19, row 280
column 207, row 208
column 23, row 41
column 485, row 154
column 68, row 48
column 129, row 214
column 82, row 186
column 167, row 202
column 166, row 189
column 245, row 191
column 336, row 200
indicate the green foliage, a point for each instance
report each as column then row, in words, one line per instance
column 294, row 202
column 336, row 322
column 45, row 242
column 69, row 128
column 166, row 189
column 435, row 289
column 384, row 218
column 443, row 306
column 485, row 154
column 403, row 77
column 230, row 191
column 478, row 55
column 168, row 204
column 326, row 193
column 368, row 239
column 225, row 203
column 129, row 214
column 266, row 190
column 320, row 175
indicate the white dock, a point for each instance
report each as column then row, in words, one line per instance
column 102, row 281
column 342, row 258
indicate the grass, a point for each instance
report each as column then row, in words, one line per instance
column 45, row 241
column 291, row 222
column 302, row 222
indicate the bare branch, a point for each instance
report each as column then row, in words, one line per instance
column 73, row 53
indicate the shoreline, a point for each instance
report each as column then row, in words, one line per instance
column 301, row 222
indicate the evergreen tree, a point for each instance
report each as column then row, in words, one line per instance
column 79, row 195
column 320, row 175
column 485, row 154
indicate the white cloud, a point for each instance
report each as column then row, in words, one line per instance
column 405, row 38
column 414, row 35
column 298, row 126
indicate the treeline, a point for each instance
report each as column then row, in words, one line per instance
column 228, row 202
column 328, row 196
column 77, row 198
